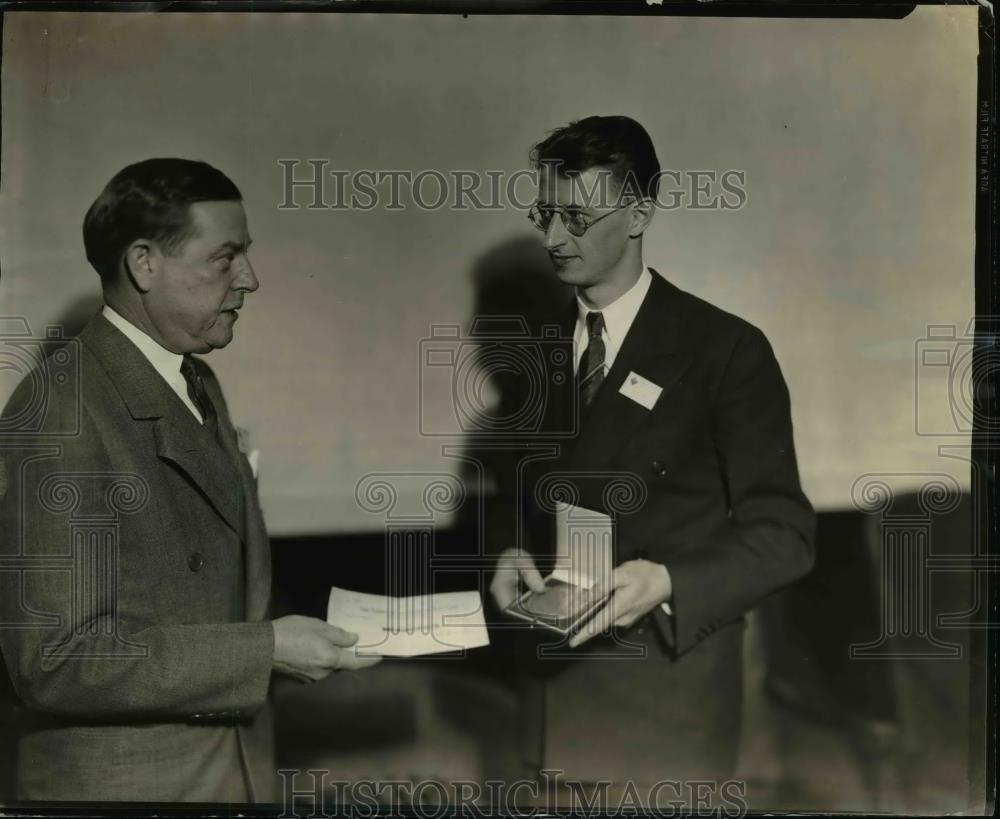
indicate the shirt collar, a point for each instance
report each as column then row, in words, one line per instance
column 619, row 315
column 166, row 363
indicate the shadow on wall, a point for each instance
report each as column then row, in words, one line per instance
column 515, row 278
column 71, row 322
column 75, row 317
column 516, row 295
column 31, row 343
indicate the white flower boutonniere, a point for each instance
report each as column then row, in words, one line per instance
column 251, row 453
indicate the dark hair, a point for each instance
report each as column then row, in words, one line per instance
column 149, row 200
column 617, row 143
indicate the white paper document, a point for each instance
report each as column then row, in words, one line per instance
column 409, row 626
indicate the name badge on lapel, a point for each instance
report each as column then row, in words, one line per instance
column 641, row 390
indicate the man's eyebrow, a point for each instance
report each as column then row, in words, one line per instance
column 232, row 246
column 572, row 208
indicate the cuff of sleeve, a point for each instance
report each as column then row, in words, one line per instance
column 260, row 660
column 665, row 624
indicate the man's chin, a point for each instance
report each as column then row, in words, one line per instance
column 216, row 340
column 219, row 342
column 220, row 334
column 571, row 274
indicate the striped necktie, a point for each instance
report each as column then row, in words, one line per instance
column 591, row 372
column 199, row 396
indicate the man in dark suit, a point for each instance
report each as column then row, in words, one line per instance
column 687, row 401
column 136, row 583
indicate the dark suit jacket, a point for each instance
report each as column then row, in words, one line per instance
column 136, row 632
column 723, row 511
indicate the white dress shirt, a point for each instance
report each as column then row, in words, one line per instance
column 618, row 318
column 166, row 363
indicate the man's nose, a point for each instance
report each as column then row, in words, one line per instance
column 247, row 280
column 556, row 233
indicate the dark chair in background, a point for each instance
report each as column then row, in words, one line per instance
column 900, row 701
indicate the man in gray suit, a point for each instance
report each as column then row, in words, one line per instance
column 142, row 672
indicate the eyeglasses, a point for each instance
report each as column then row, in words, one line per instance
column 575, row 221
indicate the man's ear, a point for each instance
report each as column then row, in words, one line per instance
column 642, row 215
column 142, row 262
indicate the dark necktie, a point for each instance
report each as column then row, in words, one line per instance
column 591, row 372
column 199, row 396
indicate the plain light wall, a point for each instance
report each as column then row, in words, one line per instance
column 857, row 138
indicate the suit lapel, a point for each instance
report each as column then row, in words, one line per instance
column 199, row 458
column 179, row 437
column 257, row 549
column 653, row 349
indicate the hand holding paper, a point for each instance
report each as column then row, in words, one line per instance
column 309, row 649
column 409, row 626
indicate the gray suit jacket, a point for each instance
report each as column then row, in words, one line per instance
column 135, row 589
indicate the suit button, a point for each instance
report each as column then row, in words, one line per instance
column 659, row 468
column 196, row 561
